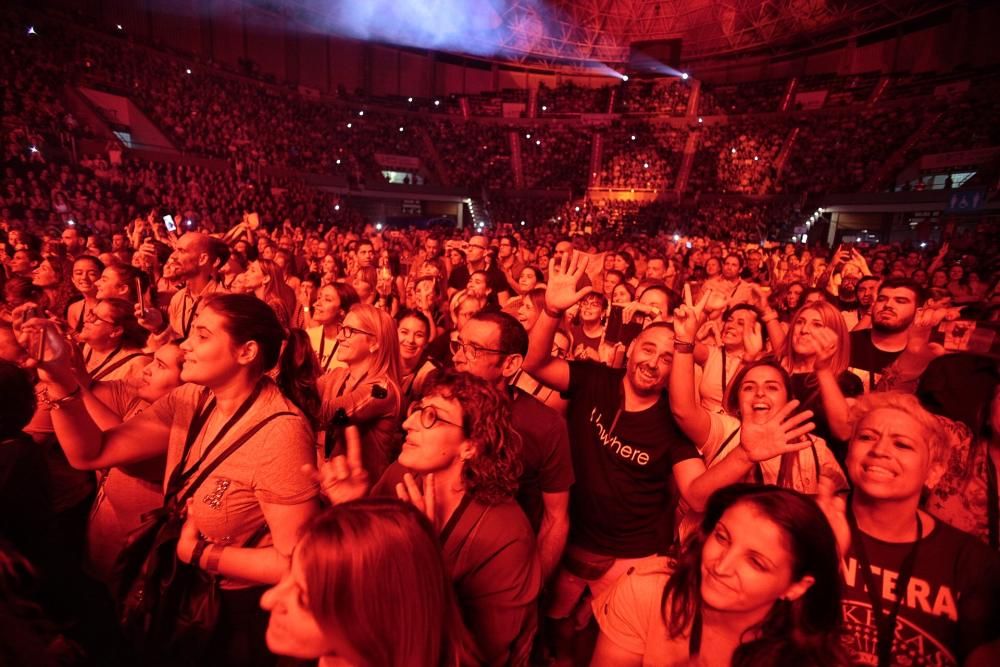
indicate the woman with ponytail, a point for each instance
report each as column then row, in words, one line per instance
column 231, row 420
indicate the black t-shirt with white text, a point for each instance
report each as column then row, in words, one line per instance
column 951, row 603
column 621, row 504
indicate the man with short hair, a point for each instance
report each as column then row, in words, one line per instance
column 477, row 260
column 627, row 448
column 73, row 241
column 509, row 261
column 656, row 268
column 365, row 254
column 875, row 349
column 195, row 259
column 492, row 346
column 859, row 315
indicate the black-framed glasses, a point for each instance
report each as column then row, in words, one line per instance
column 429, row 415
column 471, row 351
column 92, row 317
column 476, row 245
column 345, row 332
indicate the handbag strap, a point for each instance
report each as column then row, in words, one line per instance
column 214, row 463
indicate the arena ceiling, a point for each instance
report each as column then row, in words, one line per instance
column 600, row 31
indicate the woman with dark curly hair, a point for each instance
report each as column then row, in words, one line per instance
column 756, row 585
column 460, row 464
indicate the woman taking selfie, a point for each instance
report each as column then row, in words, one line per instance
column 756, row 585
column 329, row 605
column 229, row 419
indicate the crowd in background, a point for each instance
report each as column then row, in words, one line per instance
column 242, row 421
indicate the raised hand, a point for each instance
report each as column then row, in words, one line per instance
column 343, row 478
column 425, row 501
column 688, row 316
column 753, row 340
column 780, row 434
column 150, row 319
column 826, row 344
column 564, row 276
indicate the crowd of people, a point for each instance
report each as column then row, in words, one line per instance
column 244, row 425
column 197, row 106
column 615, row 447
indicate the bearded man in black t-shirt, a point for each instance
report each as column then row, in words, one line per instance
column 627, row 449
column 873, row 350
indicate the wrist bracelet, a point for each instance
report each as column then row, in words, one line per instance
column 59, row 402
column 199, row 549
column 553, row 313
column 683, row 347
column 214, row 554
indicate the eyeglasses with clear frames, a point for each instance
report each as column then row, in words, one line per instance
column 429, row 416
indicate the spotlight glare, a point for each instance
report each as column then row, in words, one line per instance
column 522, row 223
column 544, row 108
column 378, row 226
column 338, row 160
column 645, row 165
column 187, row 71
column 409, row 99
column 71, row 222
column 684, row 75
column 350, row 125
column 756, row 158
column 33, row 149
column 31, row 30
column 400, row 128
column 336, row 207
column 577, row 209
column 700, row 119
column 733, row 151
column 624, row 77
column 361, row 113
column 538, row 142
column 528, row 135
column 633, row 137
column 437, row 103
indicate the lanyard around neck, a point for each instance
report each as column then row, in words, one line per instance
column 885, row 622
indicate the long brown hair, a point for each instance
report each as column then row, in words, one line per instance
column 374, row 572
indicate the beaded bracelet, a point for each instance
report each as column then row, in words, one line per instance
column 59, row 402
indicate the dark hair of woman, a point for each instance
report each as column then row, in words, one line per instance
column 298, row 370
column 247, row 318
column 802, row 632
column 731, row 401
column 491, row 475
column 123, row 315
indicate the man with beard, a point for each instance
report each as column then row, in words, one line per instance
column 627, row 449
column 858, row 315
column 873, row 350
column 195, row 259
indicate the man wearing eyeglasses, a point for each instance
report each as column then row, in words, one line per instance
column 477, row 260
column 492, row 346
